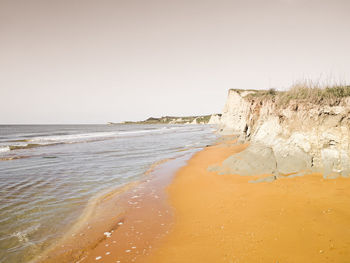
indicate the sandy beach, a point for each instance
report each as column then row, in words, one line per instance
column 202, row 216
column 224, row 218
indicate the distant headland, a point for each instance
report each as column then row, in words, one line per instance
column 200, row 119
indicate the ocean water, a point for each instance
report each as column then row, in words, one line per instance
column 48, row 173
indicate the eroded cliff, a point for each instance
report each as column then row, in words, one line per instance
column 300, row 135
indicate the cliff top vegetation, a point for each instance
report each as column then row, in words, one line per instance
column 306, row 91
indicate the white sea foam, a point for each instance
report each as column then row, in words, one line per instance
column 71, row 138
column 23, row 235
column 4, row 149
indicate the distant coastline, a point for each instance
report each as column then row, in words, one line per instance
column 200, row 119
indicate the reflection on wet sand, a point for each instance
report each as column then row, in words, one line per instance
column 121, row 225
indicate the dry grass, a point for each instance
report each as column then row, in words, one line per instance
column 308, row 92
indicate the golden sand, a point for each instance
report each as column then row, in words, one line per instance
column 223, row 218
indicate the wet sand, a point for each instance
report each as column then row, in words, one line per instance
column 123, row 224
column 224, row 218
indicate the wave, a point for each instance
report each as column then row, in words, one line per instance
column 93, row 135
column 85, row 137
column 50, row 140
column 28, row 146
column 10, row 158
column 72, row 138
column 4, row 149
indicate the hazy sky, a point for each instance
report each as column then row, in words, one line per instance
column 66, row 61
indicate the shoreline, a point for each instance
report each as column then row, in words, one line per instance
column 109, row 213
column 194, row 209
column 54, row 250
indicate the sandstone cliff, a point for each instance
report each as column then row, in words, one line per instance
column 300, row 135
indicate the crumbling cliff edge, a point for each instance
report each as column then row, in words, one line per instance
column 290, row 137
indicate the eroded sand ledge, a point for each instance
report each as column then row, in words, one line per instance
column 224, row 218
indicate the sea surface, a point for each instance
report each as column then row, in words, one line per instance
column 48, row 173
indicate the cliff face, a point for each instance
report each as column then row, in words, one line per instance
column 302, row 136
column 215, row 119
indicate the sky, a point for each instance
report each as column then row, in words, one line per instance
column 70, row 61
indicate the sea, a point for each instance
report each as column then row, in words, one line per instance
column 48, row 173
